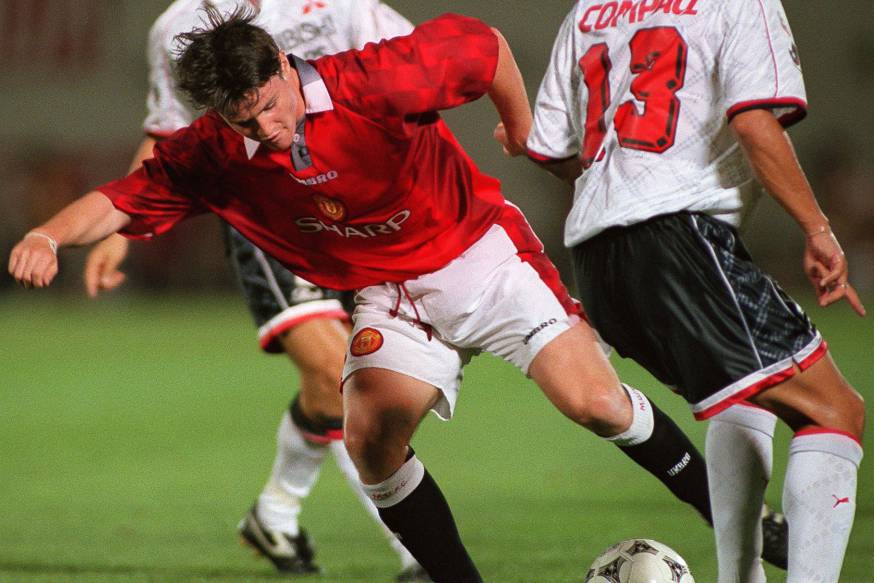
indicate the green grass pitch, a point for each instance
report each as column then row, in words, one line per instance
column 135, row 433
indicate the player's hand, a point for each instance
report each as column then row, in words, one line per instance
column 34, row 260
column 101, row 266
column 826, row 267
column 511, row 147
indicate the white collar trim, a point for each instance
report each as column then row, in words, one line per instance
column 315, row 95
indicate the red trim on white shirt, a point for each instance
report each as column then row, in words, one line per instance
column 798, row 112
column 537, row 157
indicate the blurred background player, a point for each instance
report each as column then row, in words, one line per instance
column 665, row 115
column 308, row 323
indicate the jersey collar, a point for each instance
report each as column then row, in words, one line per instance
column 315, row 96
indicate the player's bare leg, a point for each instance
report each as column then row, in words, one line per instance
column 576, row 376
column 819, row 493
column 310, row 430
column 383, row 408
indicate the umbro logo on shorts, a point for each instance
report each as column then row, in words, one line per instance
column 538, row 328
column 366, row 341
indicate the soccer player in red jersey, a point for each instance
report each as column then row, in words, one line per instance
column 342, row 169
column 307, row 323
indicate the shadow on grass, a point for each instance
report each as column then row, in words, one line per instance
column 165, row 573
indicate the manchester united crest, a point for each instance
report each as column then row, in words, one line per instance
column 367, row 341
column 330, row 207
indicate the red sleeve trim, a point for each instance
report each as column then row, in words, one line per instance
column 160, row 134
column 798, row 112
column 546, row 159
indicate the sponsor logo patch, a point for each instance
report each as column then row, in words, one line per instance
column 367, row 341
column 330, row 207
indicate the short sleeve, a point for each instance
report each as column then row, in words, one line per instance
column 444, row 63
column 376, row 21
column 758, row 63
column 167, row 110
column 164, row 190
column 555, row 134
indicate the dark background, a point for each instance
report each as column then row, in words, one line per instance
column 74, row 81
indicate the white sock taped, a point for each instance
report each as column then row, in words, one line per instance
column 347, row 468
column 398, row 486
column 642, row 421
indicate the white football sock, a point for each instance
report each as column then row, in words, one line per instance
column 295, row 471
column 642, row 421
column 819, row 499
column 344, row 462
column 739, row 453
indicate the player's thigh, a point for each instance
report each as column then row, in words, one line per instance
column 383, row 408
column 575, row 375
column 818, row 396
column 317, row 347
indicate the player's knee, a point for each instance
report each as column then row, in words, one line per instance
column 377, row 442
column 600, row 410
column 320, row 389
column 845, row 412
column 855, row 415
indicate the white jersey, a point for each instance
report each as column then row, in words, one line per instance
column 307, row 28
column 643, row 91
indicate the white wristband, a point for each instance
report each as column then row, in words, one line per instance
column 52, row 243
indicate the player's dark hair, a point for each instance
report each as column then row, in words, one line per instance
column 222, row 64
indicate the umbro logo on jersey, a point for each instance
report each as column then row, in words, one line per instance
column 330, row 207
column 367, row 341
column 320, row 179
column 392, row 225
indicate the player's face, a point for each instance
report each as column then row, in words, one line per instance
column 272, row 118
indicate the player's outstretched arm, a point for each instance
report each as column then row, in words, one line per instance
column 511, row 100
column 772, row 157
column 34, row 261
column 102, row 264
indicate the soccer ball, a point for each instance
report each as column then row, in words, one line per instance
column 639, row 560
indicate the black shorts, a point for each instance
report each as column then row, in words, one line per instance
column 680, row 295
column 278, row 299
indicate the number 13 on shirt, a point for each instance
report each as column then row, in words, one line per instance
column 658, row 69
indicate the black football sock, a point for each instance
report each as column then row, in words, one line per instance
column 423, row 522
column 672, row 458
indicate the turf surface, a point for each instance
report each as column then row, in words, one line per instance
column 134, row 433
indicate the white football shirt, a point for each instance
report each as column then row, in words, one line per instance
column 307, row 28
column 643, row 91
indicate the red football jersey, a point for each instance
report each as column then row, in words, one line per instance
column 375, row 187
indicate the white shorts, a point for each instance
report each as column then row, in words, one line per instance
column 500, row 295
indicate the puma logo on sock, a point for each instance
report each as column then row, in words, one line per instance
column 839, row 501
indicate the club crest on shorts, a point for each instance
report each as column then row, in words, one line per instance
column 330, row 207
column 367, row 341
